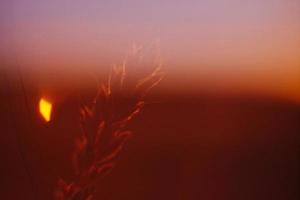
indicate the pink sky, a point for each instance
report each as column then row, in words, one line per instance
column 227, row 45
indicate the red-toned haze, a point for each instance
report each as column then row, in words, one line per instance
column 221, row 125
column 219, row 46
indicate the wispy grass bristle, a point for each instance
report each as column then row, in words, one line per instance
column 103, row 133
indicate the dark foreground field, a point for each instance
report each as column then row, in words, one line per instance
column 184, row 148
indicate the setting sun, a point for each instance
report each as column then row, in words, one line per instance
column 45, row 108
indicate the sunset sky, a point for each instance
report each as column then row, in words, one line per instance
column 222, row 45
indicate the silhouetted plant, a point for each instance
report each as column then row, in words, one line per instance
column 104, row 132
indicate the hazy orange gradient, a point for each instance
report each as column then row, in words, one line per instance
column 219, row 46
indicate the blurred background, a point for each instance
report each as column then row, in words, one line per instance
column 223, row 123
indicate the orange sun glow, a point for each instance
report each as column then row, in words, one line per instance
column 45, row 108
